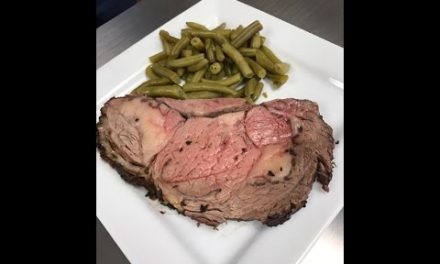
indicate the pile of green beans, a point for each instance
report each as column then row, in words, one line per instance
column 220, row 62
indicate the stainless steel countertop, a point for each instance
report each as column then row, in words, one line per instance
column 323, row 18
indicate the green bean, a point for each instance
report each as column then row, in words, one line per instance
column 186, row 53
column 248, row 52
column 270, row 55
column 199, row 65
column 236, row 78
column 215, row 68
column 158, row 57
column 156, row 82
column 264, row 61
column 180, row 45
column 209, row 50
column 167, row 36
column 236, row 56
column 223, row 33
column 195, row 51
column 249, row 89
column 263, row 39
column 167, row 73
column 256, row 41
column 202, row 95
column 162, row 63
column 196, row 26
column 220, row 27
column 219, row 55
column 185, row 33
column 278, row 80
column 196, row 87
column 247, row 33
column 279, row 66
column 197, row 43
column 282, row 67
column 257, row 92
column 180, row 71
column 173, row 91
column 143, row 87
column 236, row 32
column 226, row 82
column 185, row 62
column 256, row 68
column 150, row 73
column 166, row 46
column 206, row 34
column 199, row 74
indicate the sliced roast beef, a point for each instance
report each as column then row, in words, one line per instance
column 219, row 159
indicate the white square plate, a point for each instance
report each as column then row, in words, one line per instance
column 147, row 236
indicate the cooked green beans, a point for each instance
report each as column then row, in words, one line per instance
column 173, row 91
column 257, row 91
column 164, row 34
column 270, row 55
column 219, row 76
column 197, row 43
column 141, row 89
column 249, row 89
column 236, row 32
column 278, row 80
column 202, row 95
column 199, row 74
column 219, row 55
column 215, row 68
column 220, row 27
column 158, row 57
column 186, row 53
column 156, row 82
column 211, row 63
column 166, row 46
column 209, row 50
column 180, row 45
column 180, row 71
column 279, row 66
column 226, row 82
column 187, row 61
column 196, row 26
column 210, row 87
column 264, row 61
column 247, row 33
column 256, row 68
column 236, row 56
column 256, row 41
column 195, row 67
column 248, row 52
column 205, row 34
column 167, row 73
column 150, row 73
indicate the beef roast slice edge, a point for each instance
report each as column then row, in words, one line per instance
column 270, row 197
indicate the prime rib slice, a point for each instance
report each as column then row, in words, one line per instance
column 219, row 159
